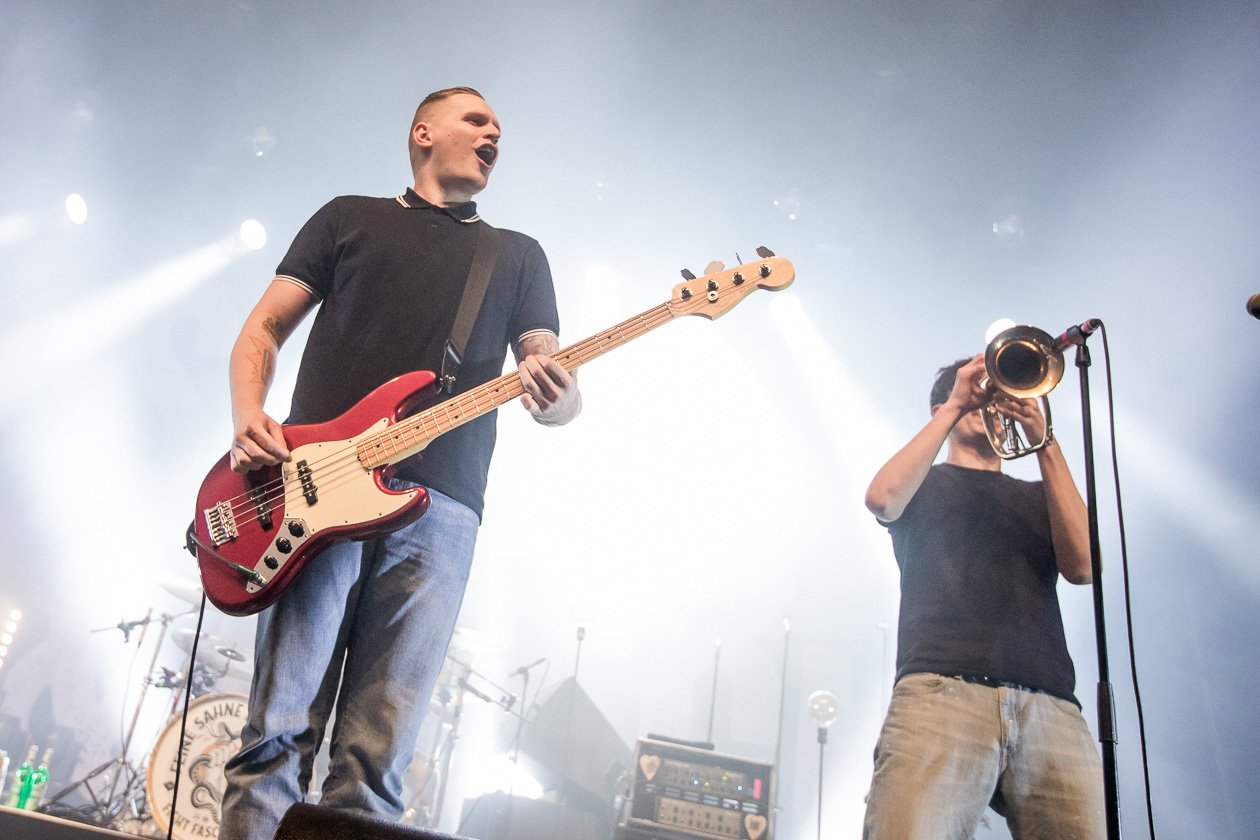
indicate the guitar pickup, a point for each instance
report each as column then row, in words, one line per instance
column 262, row 508
column 308, row 482
column 221, row 523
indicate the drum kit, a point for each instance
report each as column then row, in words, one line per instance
column 141, row 800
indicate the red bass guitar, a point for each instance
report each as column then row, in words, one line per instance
column 254, row 533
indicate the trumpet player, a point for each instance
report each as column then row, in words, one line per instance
column 982, row 711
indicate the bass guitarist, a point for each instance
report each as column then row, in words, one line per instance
column 365, row 628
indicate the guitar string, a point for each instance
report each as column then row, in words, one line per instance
column 389, row 438
column 466, row 407
column 269, row 492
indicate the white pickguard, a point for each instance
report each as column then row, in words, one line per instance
column 347, row 491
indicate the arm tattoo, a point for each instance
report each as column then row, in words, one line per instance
column 263, row 362
column 541, row 342
column 275, row 328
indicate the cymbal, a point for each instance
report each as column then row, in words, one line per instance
column 216, row 653
column 185, row 589
column 468, row 642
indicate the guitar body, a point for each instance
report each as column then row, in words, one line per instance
column 255, row 532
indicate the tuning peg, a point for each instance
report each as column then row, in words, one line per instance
column 764, row 252
column 714, row 267
column 687, row 275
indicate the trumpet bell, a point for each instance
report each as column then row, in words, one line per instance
column 1023, row 362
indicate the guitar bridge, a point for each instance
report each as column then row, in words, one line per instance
column 221, row 523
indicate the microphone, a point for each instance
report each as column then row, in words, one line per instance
column 525, row 669
column 1253, row 305
column 1077, row 333
column 480, row 695
column 127, row 626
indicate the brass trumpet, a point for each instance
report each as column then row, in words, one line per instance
column 1020, row 362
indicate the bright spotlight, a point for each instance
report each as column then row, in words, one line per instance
column 996, row 327
column 6, row 638
column 16, row 615
column 76, row 208
column 4, row 650
column 253, row 234
column 503, row 774
column 11, row 626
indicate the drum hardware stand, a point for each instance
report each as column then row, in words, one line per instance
column 105, row 810
column 441, row 763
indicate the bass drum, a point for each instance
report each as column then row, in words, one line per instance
column 213, row 736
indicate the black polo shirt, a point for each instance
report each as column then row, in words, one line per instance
column 389, row 274
column 978, row 582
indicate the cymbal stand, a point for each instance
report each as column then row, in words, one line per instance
column 442, row 765
column 107, row 808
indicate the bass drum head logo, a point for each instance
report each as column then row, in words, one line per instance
column 213, row 736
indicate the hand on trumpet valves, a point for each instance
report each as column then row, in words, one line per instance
column 971, row 388
column 1027, row 413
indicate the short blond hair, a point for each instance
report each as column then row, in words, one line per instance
column 436, row 96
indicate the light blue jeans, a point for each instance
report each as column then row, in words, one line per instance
column 365, row 625
column 949, row 748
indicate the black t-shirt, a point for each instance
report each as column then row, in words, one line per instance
column 390, row 273
column 978, row 579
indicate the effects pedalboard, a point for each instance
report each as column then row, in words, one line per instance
column 681, row 791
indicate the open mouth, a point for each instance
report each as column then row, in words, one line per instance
column 488, row 154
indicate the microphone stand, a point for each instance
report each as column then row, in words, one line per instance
column 1106, row 696
column 520, row 722
column 717, row 655
column 778, row 739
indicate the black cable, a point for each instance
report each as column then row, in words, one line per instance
column 1128, row 599
column 183, row 718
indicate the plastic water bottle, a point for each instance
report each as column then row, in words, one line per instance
column 20, row 787
column 39, row 782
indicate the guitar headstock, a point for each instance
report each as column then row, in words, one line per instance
column 717, row 292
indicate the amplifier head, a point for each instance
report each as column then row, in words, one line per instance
column 690, row 792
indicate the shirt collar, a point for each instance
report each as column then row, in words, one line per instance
column 466, row 212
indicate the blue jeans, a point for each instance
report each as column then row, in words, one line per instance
column 365, row 625
column 949, row 748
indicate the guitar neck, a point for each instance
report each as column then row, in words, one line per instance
column 409, row 436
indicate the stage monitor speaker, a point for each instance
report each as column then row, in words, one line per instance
column 18, row 824
column 315, row 822
column 571, row 747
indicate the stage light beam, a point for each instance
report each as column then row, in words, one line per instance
column 105, row 318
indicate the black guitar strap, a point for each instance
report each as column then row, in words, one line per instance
column 485, row 252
